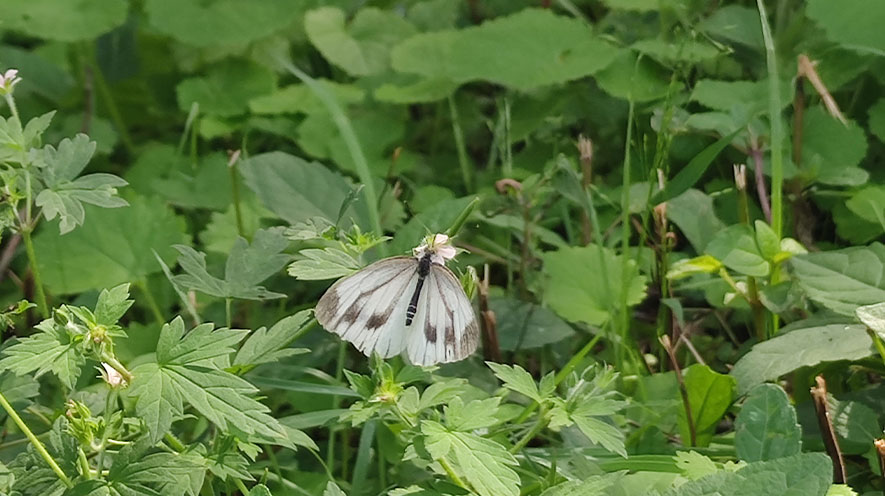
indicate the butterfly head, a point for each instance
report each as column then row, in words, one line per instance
column 438, row 246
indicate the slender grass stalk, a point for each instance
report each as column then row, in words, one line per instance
column 42, row 307
column 83, row 463
column 351, row 141
column 227, row 311
column 110, row 401
column 235, row 195
column 151, row 302
column 625, row 244
column 524, row 440
column 36, row 442
column 242, row 487
column 463, row 160
column 777, row 139
column 336, row 403
column 111, row 105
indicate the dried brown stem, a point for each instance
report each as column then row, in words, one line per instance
column 880, row 453
column 761, row 191
column 819, row 395
column 490, row 348
column 585, row 147
column 9, row 254
column 665, row 342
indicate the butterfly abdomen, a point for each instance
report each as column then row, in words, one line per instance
column 423, row 270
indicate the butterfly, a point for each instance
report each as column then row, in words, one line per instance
column 408, row 304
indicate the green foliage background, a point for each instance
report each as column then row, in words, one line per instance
column 678, row 203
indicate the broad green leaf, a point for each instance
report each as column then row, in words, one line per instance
column 325, row 263
column 832, row 151
column 206, row 184
column 842, row 280
column 523, row 325
column 18, row 389
column 52, row 349
column 766, row 240
column 692, row 172
column 693, row 212
column 260, row 490
column 221, row 232
column 435, row 219
column 855, row 424
column 472, row 415
column 113, row 246
column 735, row 23
column 265, row 346
column 747, row 98
column 297, row 190
column 246, row 267
column 221, row 22
column 187, row 370
column 300, row 99
column 559, row 49
column 516, row 379
column 694, row 465
column 434, row 15
column 483, row 463
column 46, row 77
column 227, row 88
column 332, row 489
column 634, row 78
column 134, row 471
column 852, row 23
column 869, row 204
column 841, row 490
column 415, row 90
column 82, row 20
column 736, row 248
column 575, row 287
column 873, row 316
column 112, row 304
column 678, row 50
column 600, row 432
column 362, row 47
column 709, row 394
column 771, row 359
column 766, row 427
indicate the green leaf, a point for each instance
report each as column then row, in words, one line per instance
column 332, row 489
column 694, row 465
column 136, row 472
column 323, row 263
column 53, row 349
column 855, row 424
column 766, row 426
column 692, row 172
column 876, row 120
column 435, row 219
column 634, row 78
column 411, row 90
column 832, row 151
column 187, row 369
column 114, row 246
column 736, row 248
column 221, row 22
column 595, row 485
column 227, row 88
column 693, row 212
column 18, row 389
column 767, row 241
column 842, row 280
column 853, row 23
column 771, row 359
column 247, row 265
column 65, row 21
column 735, row 23
column 112, row 304
column 297, row 190
column 300, row 99
column 709, row 394
column 516, row 379
column 483, row 463
column 205, row 184
column 524, row 325
column 559, row 49
column 574, row 288
column 476, row 414
column 265, row 346
column 363, row 46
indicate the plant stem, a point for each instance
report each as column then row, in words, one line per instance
column 109, row 403
column 83, row 463
column 235, row 193
column 777, row 132
column 151, row 302
column 105, row 91
column 227, row 313
column 463, row 160
column 683, row 391
column 12, row 108
column 336, row 402
column 116, row 365
column 625, row 245
column 35, row 271
column 524, row 440
column 36, row 442
column 242, row 487
column 174, row 442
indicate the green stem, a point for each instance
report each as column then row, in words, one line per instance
column 174, row 442
column 235, row 192
column 462, row 218
column 880, row 347
column 524, row 440
column 12, row 108
column 36, row 442
column 151, row 302
column 227, row 312
column 336, row 402
column 777, row 132
column 83, row 463
column 105, row 91
column 625, row 244
column 463, row 160
column 109, row 403
column 35, row 271
column 242, row 487
column 116, row 365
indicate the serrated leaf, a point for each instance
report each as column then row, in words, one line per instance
column 265, row 346
column 114, row 246
column 112, row 304
column 842, row 280
column 475, row 414
column 595, row 485
column 247, row 265
column 325, row 263
column 766, row 427
column 187, row 370
column 784, row 353
column 694, row 465
column 52, row 349
column 516, row 379
column 600, row 432
column 574, row 288
column 362, row 46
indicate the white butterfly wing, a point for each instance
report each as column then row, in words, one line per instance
column 368, row 307
column 444, row 328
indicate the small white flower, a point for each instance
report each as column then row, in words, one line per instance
column 8, row 79
column 439, row 247
column 111, row 376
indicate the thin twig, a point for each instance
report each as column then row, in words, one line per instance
column 761, row 191
column 665, row 342
column 819, row 395
column 9, row 254
column 490, row 347
column 585, row 147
